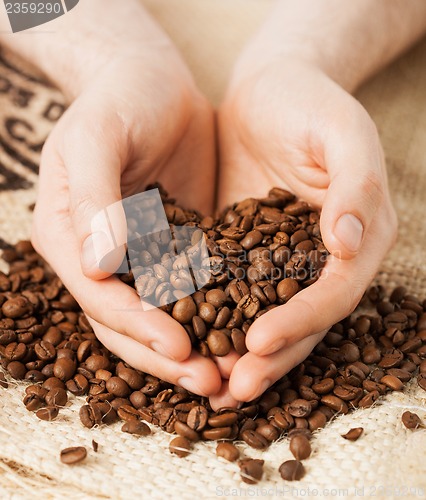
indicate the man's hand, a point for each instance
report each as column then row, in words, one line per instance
column 136, row 118
column 289, row 121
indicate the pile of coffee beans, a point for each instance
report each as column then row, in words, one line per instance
column 261, row 253
column 46, row 340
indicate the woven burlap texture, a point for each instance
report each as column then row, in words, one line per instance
column 387, row 461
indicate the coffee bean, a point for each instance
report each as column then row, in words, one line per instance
column 56, row 397
column 118, row 387
column 180, row 446
column 216, row 433
column 218, row 342
column 227, row 451
column 90, row 415
column 3, row 381
column 64, row 369
column 197, row 418
column 254, row 439
column 421, row 380
column 292, row 470
column 300, row 408
column 411, row 420
column 353, row 434
column 251, row 470
column 16, row 370
column 185, row 431
column 392, row 382
column 300, row 447
column 136, row 427
column 335, row 403
column 97, row 362
column 223, row 420
column 286, row 289
column 74, row 455
column 17, row 307
column 45, row 350
column 324, row 386
column 48, row 413
column 184, row 310
column 249, row 306
column 33, row 402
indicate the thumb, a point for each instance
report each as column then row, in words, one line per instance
column 358, row 182
column 94, row 174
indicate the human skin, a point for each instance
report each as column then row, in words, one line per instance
column 288, row 119
column 135, row 117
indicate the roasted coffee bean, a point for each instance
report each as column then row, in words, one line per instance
column 223, row 420
column 197, row 418
column 300, row 447
column 251, row 470
column 74, row 455
column 51, row 383
column 33, row 402
column 90, row 415
column 335, row 403
column 218, row 342
column 48, row 413
column 207, row 312
column 227, row 451
column 411, row 420
column 353, row 434
column 16, row 370
column 185, row 431
column 180, row 446
column 15, row 351
column 97, row 362
column 324, row 386
column 64, row 369
column 56, row 397
column 3, row 381
column 300, row 408
column 292, row 470
column 392, row 382
column 17, row 307
column 286, row 289
column 78, row 385
column 136, row 427
column 118, row 387
column 184, row 310
column 249, row 306
column 217, row 433
column 127, row 413
column 254, row 439
column 45, row 350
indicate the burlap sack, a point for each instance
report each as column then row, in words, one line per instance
column 389, row 460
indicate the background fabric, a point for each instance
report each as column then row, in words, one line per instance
column 387, row 461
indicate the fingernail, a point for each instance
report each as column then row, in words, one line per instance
column 94, row 248
column 157, row 347
column 265, row 384
column 349, row 231
column 190, row 385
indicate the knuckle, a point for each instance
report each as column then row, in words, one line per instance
column 372, row 188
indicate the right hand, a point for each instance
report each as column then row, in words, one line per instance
column 139, row 119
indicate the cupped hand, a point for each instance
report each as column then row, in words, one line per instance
column 290, row 125
column 139, row 119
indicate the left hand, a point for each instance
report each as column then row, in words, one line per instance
column 292, row 126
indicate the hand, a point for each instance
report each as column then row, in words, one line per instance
column 137, row 119
column 290, row 125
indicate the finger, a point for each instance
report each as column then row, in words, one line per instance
column 110, row 301
column 354, row 161
column 196, row 374
column 226, row 363
column 310, row 311
column 223, row 398
column 253, row 374
column 93, row 156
